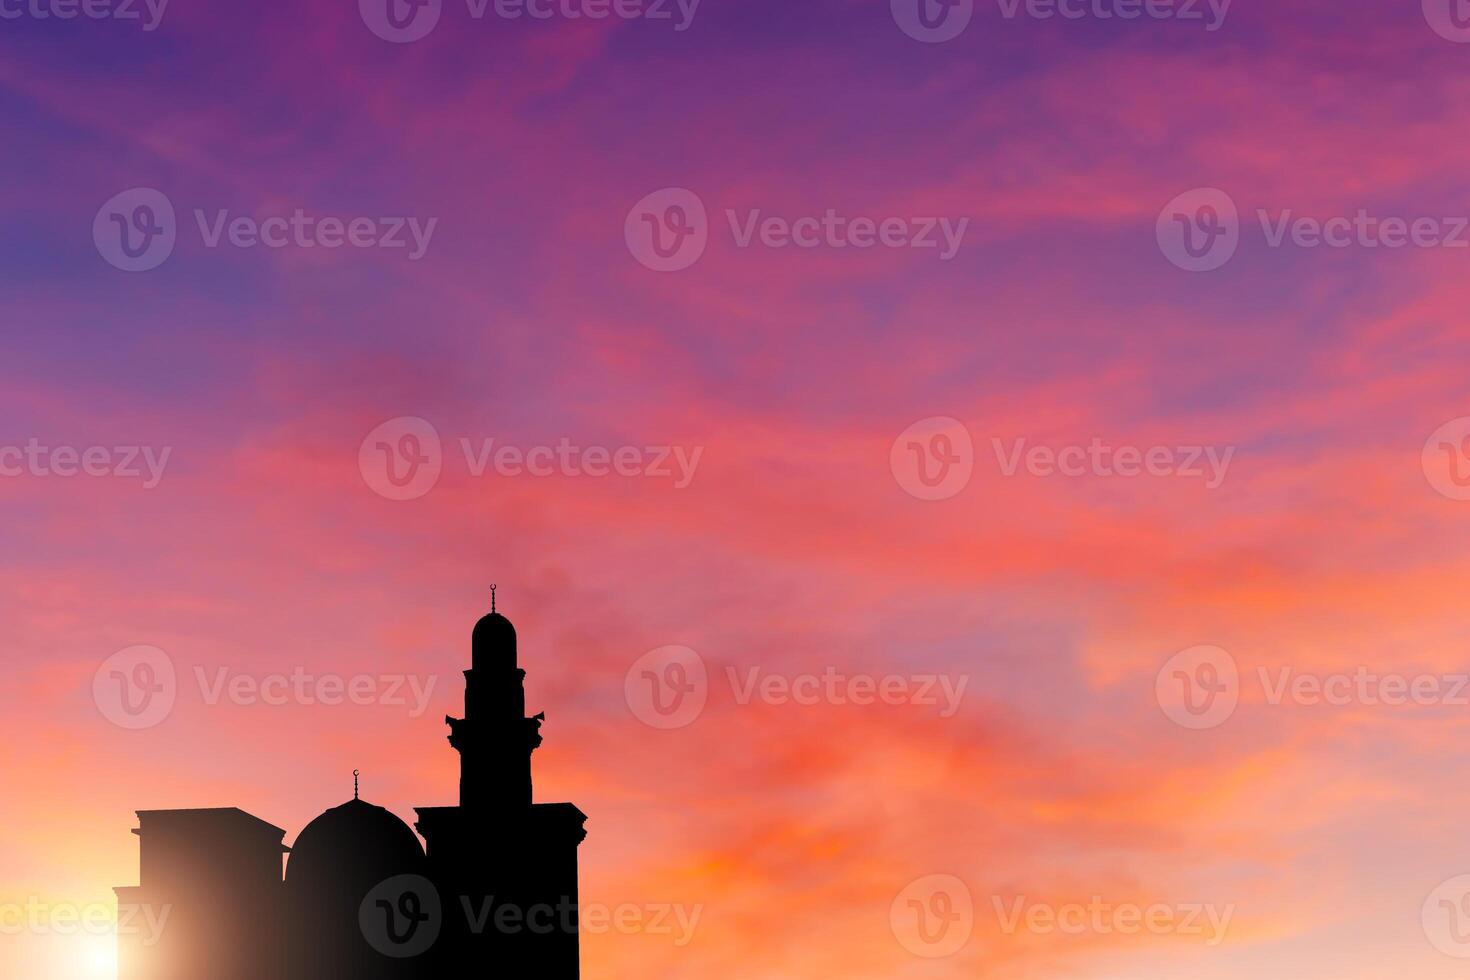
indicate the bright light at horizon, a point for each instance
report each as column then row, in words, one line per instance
column 96, row 957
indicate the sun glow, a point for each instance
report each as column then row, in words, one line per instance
column 95, row 958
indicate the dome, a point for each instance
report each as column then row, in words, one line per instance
column 336, row 863
column 494, row 642
column 355, row 842
column 494, row 628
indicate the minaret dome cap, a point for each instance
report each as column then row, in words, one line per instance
column 494, row 629
column 494, row 641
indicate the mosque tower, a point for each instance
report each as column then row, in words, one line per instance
column 493, row 894
column 511, row 862
column 495, row 739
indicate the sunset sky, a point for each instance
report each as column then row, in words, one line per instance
column 799, row 388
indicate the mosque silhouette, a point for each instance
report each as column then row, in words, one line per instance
column 494, row 892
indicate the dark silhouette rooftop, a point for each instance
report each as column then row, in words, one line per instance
column 361, row 898
column 353, row 840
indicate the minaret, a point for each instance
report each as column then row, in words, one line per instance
column 495, row 739
column 498, row 849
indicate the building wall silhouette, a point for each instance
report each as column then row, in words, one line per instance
column 493, row 893
column 216, row 874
